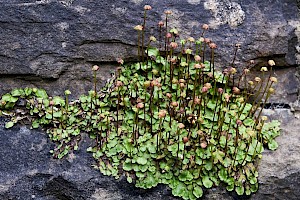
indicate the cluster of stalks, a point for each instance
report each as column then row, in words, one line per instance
column 189, row 91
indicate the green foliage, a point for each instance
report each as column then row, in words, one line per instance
column 170, row 119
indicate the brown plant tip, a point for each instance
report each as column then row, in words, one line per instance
column 220, row 90
column 185, row 140
column 152, row 38
column 174, row 104
column 207, row 40
column 205, row 26
column 271, row 63
column 173, row 45
column 181, row 80
column 51, row 103
column 119, row 84
column 236, row 90
column 161, row 23
column 204, row 89
column 264, row 69
column 246, row 71
column 264, row 118
column 140, row 105
column 271, row 90
column 173, row 60
column 203, row 145
column 252, row 62
column 197, row 58
column 188, row 51
column 181, row 126
column 162, row 113
column 168, row 12
column 138, row 28
column 147, row 84
column 169, row 95
column 120, row 61
column 239, row 122
column 155, row 83
column 197, row 66
column 200, row 133
column 227, row 97
column 233, row 70
column 174, row 81
column 191, row 39
column 257, row 79
column 273, row 79
column 197, row 101
column 212, row 45
column 147, row 7
column 208, row 85
column 95, row 68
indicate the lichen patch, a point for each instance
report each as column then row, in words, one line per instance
column 225, row 12
column 194, row 2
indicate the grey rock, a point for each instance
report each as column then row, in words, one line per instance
column 279, row 171
column 54, row 43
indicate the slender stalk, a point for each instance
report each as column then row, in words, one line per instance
column 158, row 135
column 258, row 136
column 150, row 109
column 166, row 21
column 260, row 99
column 178, row 136
column 235, row 53
column 118, row 107
column 143, row 34
column 236, row 142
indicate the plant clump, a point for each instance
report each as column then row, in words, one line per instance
column 172, row 118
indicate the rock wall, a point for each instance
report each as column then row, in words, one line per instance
column 53, row 44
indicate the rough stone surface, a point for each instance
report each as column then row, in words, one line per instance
column 53, row 43
column 280, row 170
column 27, row 170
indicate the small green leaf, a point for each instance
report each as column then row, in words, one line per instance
column 207, row 182
column 230, row 188
column 127, row 166
column 198, row 192
column 152, row 52
column 185, row 176
column 9, row 124
column 239, row 190
column 41, row 93
column 35, row 124
column 141, row 160
column 129, row 179
column 223, row 174
column 272, row 145
column 17, row 92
